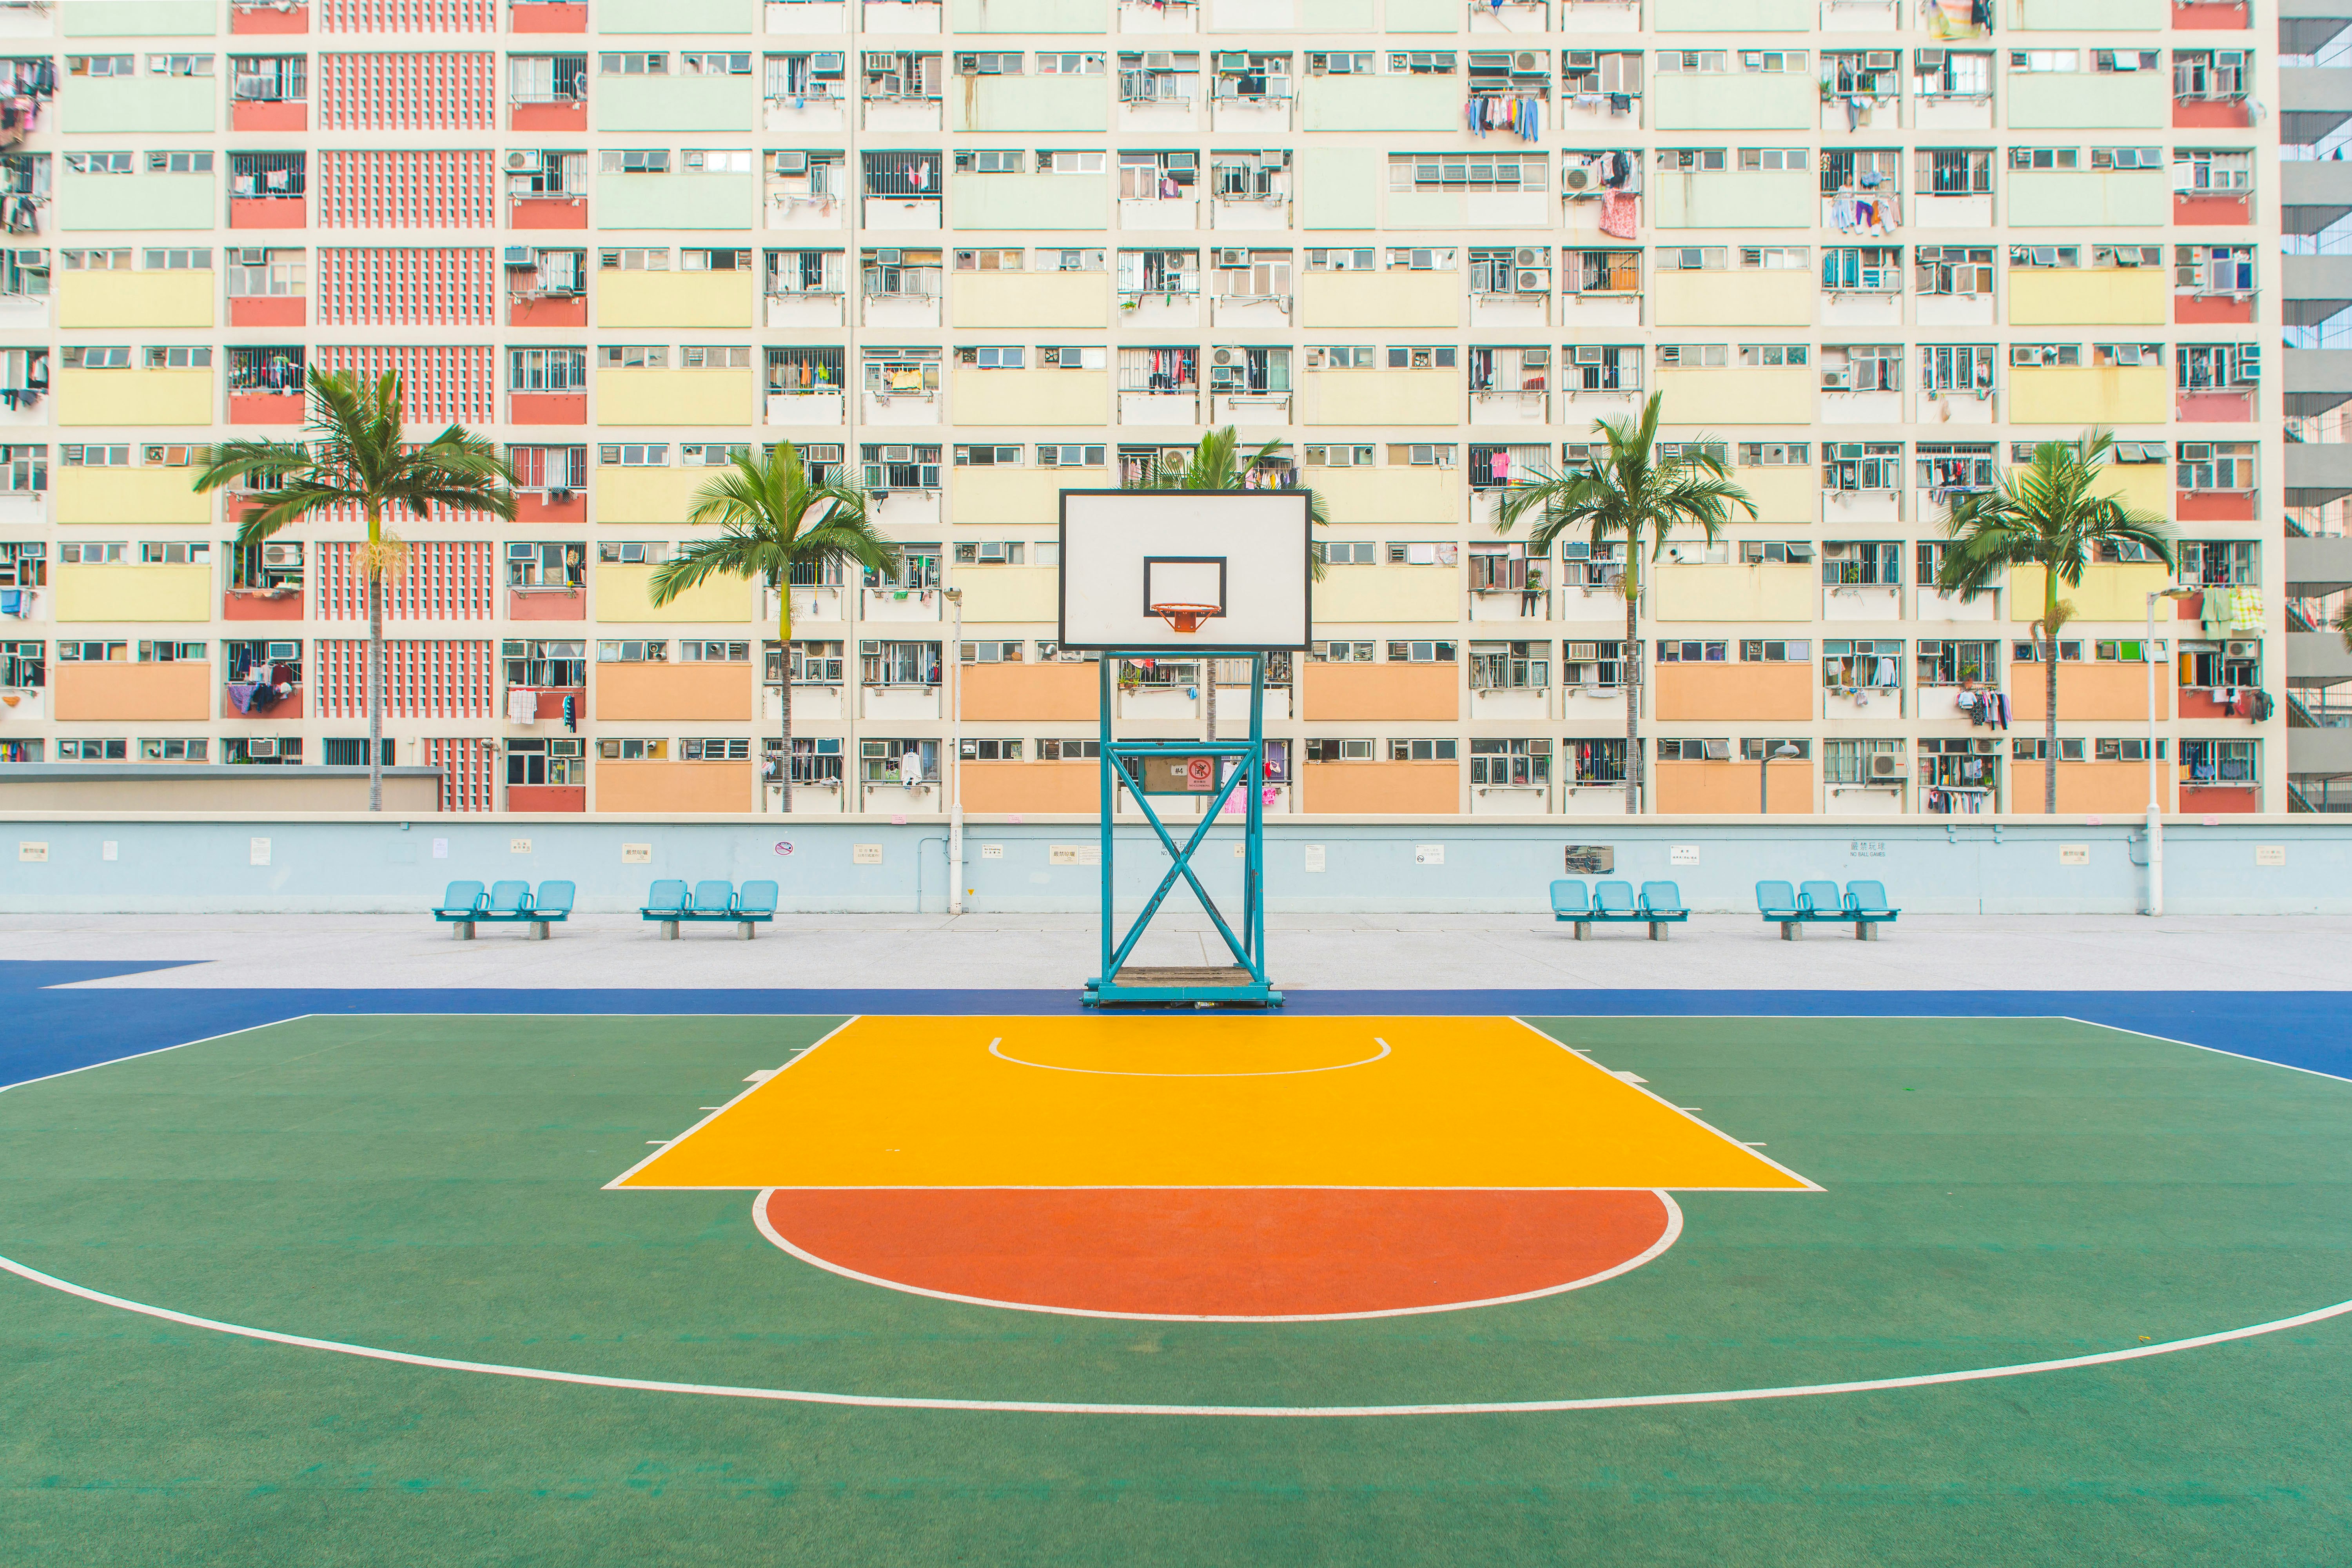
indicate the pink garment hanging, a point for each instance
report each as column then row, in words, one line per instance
column 1617, row 214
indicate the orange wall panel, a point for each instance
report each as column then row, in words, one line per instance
column 1041, row 787
column 1337, row 693
column 1404, row 789
column 1734, row 691
column 2118, row 789
column 999, row 693
column 2086, row 692
column 91, row 692
column 662, row 788
column 659, row 693
column 1692, row 788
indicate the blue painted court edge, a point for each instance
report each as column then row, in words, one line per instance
column 53, row 1031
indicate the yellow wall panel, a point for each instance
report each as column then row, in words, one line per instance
column 647, row 495
column 128, row 496
column 135, row 299
column 1781, row 494
column 722, row 397
column 1730, row 592
column 1017, row 495
column 1009, row 592
column 1352, row 594
column 2069, row 296
column 1032, row 396
column 621, row 596
column 635, row 298
column 2115, row 591
column 1405, row 494
column 134, row 396
column 1744, row 298
column 1404, row 299
column 1028, row 299
column 2089, row 394
column 1738, row 397
column 1383, row 397
column 2144, row 486
column 134, row 594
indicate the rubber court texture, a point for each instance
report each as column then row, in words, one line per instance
column 1634, row 1278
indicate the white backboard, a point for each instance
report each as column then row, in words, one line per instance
column 1247, row 552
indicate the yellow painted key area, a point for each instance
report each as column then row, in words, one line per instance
column 1119, row 1101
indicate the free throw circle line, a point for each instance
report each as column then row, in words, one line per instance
column 1062, row 1408
column 1121, row 1072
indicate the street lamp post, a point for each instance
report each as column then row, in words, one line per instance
column 2154, row 786
column 1764, row 760
column 955, row 751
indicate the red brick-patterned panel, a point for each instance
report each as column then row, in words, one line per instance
column 431, row 679
column 436, row 286
column 435, row 90
column 446, row 580
column 408, row 16
column 411, row 190
column 449, row 384
column 468, row 771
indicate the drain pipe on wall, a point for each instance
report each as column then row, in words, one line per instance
column 954, row 662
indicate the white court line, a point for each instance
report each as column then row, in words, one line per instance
column 1059, row 1407
column 1674, row 1229
column 614, row 1184
column 1116, row 1072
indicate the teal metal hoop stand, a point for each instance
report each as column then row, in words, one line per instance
column 1120, row 767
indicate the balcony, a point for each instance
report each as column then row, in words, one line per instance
column 2313, row 101
column 2317, row 567
column 2305, row 27
column 2317, row 659
column 547, row 17
column 2316, row 380
column 2317, row 287
column 2313, row 195
column 552, row 210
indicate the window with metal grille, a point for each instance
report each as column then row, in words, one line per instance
column 1954, row 171
column 547, row 369
column 269, row 79
column 1511, row 764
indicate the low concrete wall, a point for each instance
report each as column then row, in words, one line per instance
column 129, row 788
column 2278, row 865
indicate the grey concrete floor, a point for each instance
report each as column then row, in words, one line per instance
column 2025, row 953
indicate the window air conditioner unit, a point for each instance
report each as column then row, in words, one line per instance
column 2242, row 651
column 1534, row 282
column 1536, row 359
column 881, row 63
column 521, row 256
column 829, row 63
column 885, row 257
column 522, row 162
column 1588, row 356
column 1159, row 60
column 1221, row 357
column 1885, row 765
column 1929, row 59
column 1718, row 751
column 281, row 555
column 1583, row 60
column 1232, row 258
column 792, row 162
column 261, row 748
column 1577, row 177
column 250, row 258
column 1527, row 61
column 514, row 552
column 1529, row 256
column 1583, row 652
column 1338, row 65
column 1878, row 60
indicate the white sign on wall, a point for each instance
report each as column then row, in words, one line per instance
column 992, row 851
column 865, row 855
column 1683, row 855
column 257, row 853
column 2073, row 854
column 2270, row 854
column 32, row 849
column 1315, row 861
column 1429, row 854
column 637, row 854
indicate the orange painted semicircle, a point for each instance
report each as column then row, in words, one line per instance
column 1209, row 1252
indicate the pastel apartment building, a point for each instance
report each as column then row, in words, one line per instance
column 974, row 253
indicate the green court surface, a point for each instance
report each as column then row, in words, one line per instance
column 1995, row 1194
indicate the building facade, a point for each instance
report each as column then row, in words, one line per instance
column 976, row 252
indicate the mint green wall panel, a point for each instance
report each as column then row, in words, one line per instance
column 673, row 103
column 1774, row 198
column 1339, row 187
column 2091, row 16
column 2083, row 101
column 1415, row 209
column 138, row 103
column 1424, row 16
column 1336, row 15
column 1029, row 15
column 1733, row 15
column 673, row 201
column 142, row 19
column 673, row 16
column 2059, row 198
column 1383, row 102
column 1030, row 102
column 92, row 203
column 1748, row 101
column 1029, row 201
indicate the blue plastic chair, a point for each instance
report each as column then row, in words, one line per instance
column 1777, row 902
column 1662, row 906
column 1866, row 907
column 460, row 905
column 665, row 899
column 551, row 905
column 1613, row 901
column 1572, row 902
column 713, row 901
column 1821, row 901
column 508, row 901
column 755, row 906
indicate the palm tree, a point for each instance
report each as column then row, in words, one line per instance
column 353, row 455
column 773, row 516
column 1630, row 492
column 2045, row 514
column 1217, row 464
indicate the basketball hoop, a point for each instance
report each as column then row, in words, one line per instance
column 1186, row 617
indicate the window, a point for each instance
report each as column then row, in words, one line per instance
column 2040, row 60
column 634, row 455
column 2203, row 367
column 1946, row 368
column 268, row 79
column 2229, row 173
column 1467, row 172
column 1849, row 466
column 1510, row 666
column 1592, row 664
column 1956, row 171
column 992, row 751
column 633, row 651
column 2029, row 255
column 2059, row 354
column 1953, row 269
column 2215, row 466
column 716, row 749
column 179, row 358
column 71, row 748
column 1862, row 762
column 24, row 470
column 2123, row 60
column 22, row 666
column 543, row 565
column 97, row 66
column 1756, row 160
column 1944, row 662
column 1774, row 62
column 1774, row 650
column 1329, row 749
column 897, row 762
column 1756, row 748
column 1685, row 356
column 2125, row 750
column 1671, row 61
column 1348, row 552
column 993, row 358
column 547, row 79
column 715, row 62
column 1775, row 552
column 1421, row 652
column 1512, row 764
column 1776, row 257
column 2127, row 256
column 1007, row 651
column 1775, row 454
column 1422, row 359
column 107, row 358
column 647, row 162
column 86, row 553
column 631, row 553
column 633, row 751
column 174, row 552
column 1773, row 354
column 1692, row 258
column 547, row 369
column 1432, row 750
column 1415, row 553
column 892, row 663
column 891, row 272
column 1959, row 73
column 2129, row 355
column 1844, row 173
column 183, row 749
column 2214, row 269
column 1692, row 750
column 1070, row 457
column 2211, row 73
column 179, row 65
column 2127, row 158
column 2070, row 651
column 2219, row 762
column 1691, row 652
column 93, row 652
column 94, row 457
column 548, row 664
column 546, row 762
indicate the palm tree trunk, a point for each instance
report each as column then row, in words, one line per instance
column 375, row 664
column 2049, row 692
column 1631, row 655
column 785, row 655
column 1212, row 668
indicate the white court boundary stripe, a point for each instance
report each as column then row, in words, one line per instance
column 1116, row 1072
column 1674, row 1229
column 615, row 1183
column 1059, row 1407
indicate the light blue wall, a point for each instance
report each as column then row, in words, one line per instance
column 1750, row 100
column 673, row 103
column 143, row 103
column 673, row 201
column 90, row 204
column 1383, row 102
column 140, row 19
column 673, row 16
column 1029, row 15
column 1929, row 866
column 1029, row 201
column 2061, row 198
column 1030, row 102
column 1339, row 187
column 2080, row 100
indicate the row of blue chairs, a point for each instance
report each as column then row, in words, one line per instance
column 714, row 900
column 466, row 904
column 1863, row 905
column 1659, row 906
